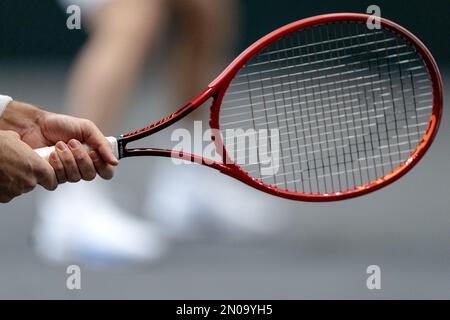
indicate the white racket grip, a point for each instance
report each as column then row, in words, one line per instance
column 46, row 151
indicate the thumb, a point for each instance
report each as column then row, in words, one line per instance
column 97, row 141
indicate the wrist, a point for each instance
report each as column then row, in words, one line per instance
column 20, row 117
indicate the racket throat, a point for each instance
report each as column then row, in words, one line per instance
column 121, row 144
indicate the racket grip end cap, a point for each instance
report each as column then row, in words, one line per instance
column 47, row 151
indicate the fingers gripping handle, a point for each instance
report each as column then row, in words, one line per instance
column 45, row 152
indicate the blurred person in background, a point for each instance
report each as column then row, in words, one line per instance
column 122, row 35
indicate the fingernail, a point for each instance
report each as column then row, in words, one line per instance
column 61, row 146
column 54, row 156
column 74, row 144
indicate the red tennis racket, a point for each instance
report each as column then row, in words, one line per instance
column 355, row 109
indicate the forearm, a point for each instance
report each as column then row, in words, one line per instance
column 19, row 117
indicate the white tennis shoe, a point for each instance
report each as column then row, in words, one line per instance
column 192, row 202
column 79, row 223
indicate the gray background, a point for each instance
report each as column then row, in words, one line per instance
column 325, row 250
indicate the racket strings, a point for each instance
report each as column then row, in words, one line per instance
column 349, row 105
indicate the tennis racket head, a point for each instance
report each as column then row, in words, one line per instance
column 355, row 108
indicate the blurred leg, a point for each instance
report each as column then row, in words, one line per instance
column 122, row 33
column 206, row 36
column 94, row 230
column 206, row 33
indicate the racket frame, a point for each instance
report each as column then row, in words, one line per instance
column 217, row 88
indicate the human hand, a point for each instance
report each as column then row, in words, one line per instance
column 70, row 161
column 21, row 169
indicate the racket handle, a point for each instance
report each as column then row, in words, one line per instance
column 46, row 151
